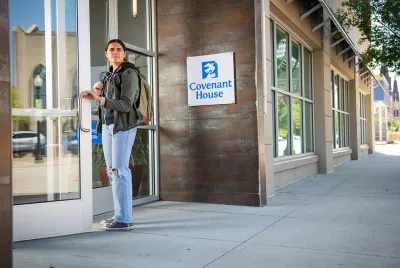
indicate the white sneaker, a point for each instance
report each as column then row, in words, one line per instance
column 107, row 221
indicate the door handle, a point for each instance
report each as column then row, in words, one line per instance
column 80, row 116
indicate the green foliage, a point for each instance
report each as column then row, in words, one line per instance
column 379, row 23
column 296, row 118
column 283, row 116
column 14, row 98
column 394, row 125
column 98, row 155
column 18, row 120
column 140, row 150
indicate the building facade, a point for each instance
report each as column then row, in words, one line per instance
column 303, row 103
column 382, row 108
column 396, row 100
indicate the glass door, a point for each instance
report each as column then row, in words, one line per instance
column 52, row 155
column 132, row 22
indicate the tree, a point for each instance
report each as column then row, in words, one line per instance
column 379, row 23
column 18, row 120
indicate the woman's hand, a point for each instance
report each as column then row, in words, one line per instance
column 90, row 95
column 97, row 87
column 87, row 94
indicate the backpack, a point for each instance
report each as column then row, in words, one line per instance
column 144, row 105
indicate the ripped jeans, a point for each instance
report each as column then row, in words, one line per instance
column 117, row 150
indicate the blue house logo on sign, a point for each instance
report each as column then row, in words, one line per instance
column 210, row 79
column 210, row 69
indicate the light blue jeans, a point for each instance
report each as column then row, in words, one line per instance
column 117, row 150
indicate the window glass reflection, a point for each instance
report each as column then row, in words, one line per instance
column 98, row 37
column 346, row 98
column 309, row 131
column 139, row 165
column 297, row 126
column 99, row 66
column 366, row 133
column 36, row 84
column 43, row 71
column 346, row 131
column 50, row 171
column 143, row 63
column 337, row 134
column 274, row 123
column 133, row 29
column 340, row 116
column 296, row 64
column 283, row 124
column 272, row 53
column 332, row 89
column 281, row 58
column 342, row 130
column 307, row 75
column 341, row 94
column 333, row 129
column 336, row 93
column 363, row 119
column 290, row 114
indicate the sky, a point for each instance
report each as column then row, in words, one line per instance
column 391, row 74
column 28, row 12
column 25, row 13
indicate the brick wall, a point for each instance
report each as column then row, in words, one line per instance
column 5, row 141
column 207, row 153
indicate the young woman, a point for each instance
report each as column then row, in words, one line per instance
column 118, row 120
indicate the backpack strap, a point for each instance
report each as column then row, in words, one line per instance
column 139, row 85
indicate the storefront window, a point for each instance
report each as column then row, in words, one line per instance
column 297, row 126
column 43, row 49
column 134, row 29
column 340, row 112
column 283, row 124
column 134, row 23
column 341, row 89
column 309, row 129
column 296, row 64
column 272, row 45
column 336, row 89
column 307, row 74
column 99, row 66
column 292, row 95
column 281, row 53
column 363, row 119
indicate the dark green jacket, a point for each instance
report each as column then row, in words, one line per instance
column 126, row 93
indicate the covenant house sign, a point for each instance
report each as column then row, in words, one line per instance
column 211, row 79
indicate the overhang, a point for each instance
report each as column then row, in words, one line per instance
column 338, row 36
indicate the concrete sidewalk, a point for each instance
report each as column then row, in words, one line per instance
column 349, row 218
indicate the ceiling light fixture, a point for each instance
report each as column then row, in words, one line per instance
column 134, row 8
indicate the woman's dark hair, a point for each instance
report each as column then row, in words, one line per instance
column 116, row 41
column 119, row 42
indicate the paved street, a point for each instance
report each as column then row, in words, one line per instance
column 349, row 218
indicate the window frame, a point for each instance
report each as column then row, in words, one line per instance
column 150, row 52
column 289, row 92
column 340, row 107
column 363, row 119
